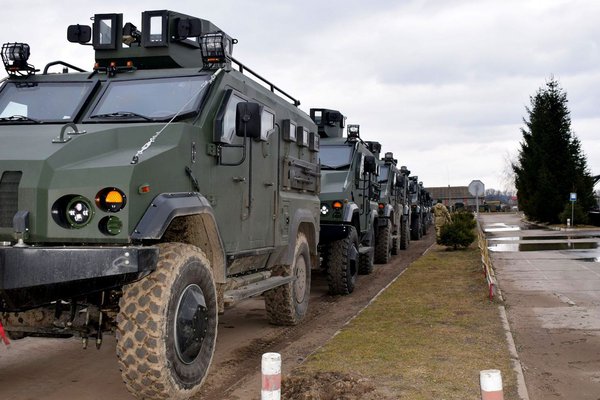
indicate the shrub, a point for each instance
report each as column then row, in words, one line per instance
column 579, row 215
column 459, row 233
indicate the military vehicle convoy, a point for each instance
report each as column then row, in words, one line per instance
column 144, row 196
column 394, row 210
column 349, row 201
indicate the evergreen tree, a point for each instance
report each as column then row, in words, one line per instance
column 551, row 163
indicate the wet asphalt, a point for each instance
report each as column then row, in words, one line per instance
column 550, row 280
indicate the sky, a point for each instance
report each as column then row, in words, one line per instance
column 443, row 84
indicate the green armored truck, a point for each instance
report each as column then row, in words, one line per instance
column 349, row 196
column 145, row 195
column 394, row 215
column 420, row 204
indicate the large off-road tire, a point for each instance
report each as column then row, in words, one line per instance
column 416, row 229
column 167, row 326
column 404, row 234
column 287, row 304
column 342, row 268
column 396, row 239
column 366, row 261
column 383, row 243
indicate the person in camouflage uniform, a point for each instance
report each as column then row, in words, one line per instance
column 442, row 217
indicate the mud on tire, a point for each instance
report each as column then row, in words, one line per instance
column 167, row 326
column 287, row 304
column 383, row 244
column 342, row 268
column 404, row 234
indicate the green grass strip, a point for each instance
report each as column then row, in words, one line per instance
column 426, row 337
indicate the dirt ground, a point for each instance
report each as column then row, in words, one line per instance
column 53, row 369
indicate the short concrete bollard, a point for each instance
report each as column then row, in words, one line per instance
column 491, row 384
column 271, row 376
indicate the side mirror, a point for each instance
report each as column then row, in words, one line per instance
column 79, row 34
column 248, row 118
column 370, row 164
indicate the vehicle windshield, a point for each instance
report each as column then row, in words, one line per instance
column 151, row 99
column 384, row 170
column 41, row 101
column 335, row 157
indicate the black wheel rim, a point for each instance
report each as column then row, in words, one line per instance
column 191, row 322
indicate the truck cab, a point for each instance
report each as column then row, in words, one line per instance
column 349, row 200
column 142, row 197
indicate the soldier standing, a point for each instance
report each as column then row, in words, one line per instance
column 442, row 217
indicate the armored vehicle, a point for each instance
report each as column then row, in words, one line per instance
column 349, row 196
column 394, row 210
column 420, row 205
column 146, row 195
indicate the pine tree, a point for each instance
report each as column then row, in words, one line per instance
column 551, row 163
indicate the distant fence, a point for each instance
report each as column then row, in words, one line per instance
column 486, row 262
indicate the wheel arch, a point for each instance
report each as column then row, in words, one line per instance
column 186, row 218
column 303, row 221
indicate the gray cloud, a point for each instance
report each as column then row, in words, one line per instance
column 442, row 84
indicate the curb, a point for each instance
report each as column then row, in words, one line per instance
column 517, row 367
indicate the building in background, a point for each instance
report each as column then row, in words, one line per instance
column 454, row 197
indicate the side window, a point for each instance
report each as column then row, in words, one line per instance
column 267, row 124
column 224, row 130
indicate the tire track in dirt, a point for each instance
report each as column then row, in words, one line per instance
column 237, row 374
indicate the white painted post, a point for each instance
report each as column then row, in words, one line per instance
column 491, row 384
column 271, row 376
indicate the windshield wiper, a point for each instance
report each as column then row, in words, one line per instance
column 14, row 118
column 123, row 114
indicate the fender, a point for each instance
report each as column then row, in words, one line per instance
column 166, row 207
column 388, row 213
column 301, row 216
column 349, row 210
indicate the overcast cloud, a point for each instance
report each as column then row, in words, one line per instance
column 442, row 84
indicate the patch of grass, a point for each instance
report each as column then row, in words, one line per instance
column 427, row 336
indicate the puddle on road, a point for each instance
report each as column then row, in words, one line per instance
column 590, row 259
column 501, row 227
column 558, row 237
column 500, row 247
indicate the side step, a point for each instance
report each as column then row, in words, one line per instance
column 253, row 289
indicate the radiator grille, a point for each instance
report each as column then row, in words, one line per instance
column 9, row 196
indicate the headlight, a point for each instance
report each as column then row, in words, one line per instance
column 324, row 209
column 79, row 212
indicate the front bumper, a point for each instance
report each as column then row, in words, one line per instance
column 34, row 276
column 333, row 232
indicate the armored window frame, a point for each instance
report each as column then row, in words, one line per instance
column 313, row 141
column 116, row 29
column 289, row 130
column 302, row 136
column 267, row 125
column 87, row 88
column 147, row 39
column 224, row 128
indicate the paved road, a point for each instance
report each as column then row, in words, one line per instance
column 551, row 284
